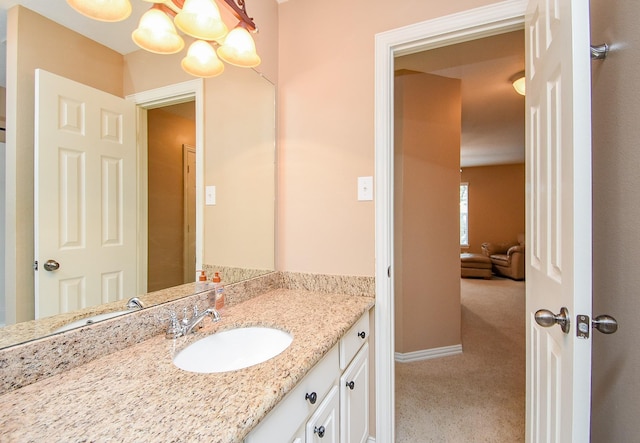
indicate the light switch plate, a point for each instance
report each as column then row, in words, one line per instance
column 365, row 188
column 210, row 195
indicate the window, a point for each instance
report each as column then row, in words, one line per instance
column 464, row 214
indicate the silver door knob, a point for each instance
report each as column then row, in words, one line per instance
column 605, row 324
column 51, row 265
column 546, row 319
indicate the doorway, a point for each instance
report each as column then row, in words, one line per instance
column 457, row 98
column 170, row 148
column 189, row 91
column 486, row 21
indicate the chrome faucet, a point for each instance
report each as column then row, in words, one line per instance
column 134, row 303
column 186, row 326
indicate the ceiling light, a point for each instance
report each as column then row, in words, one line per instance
column 239, row 49
column 202, row 61
column 518, row 82
column 103, row 10
column 156, row 33
column 199, row 19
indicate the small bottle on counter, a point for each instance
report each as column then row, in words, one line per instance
column 202, row 283
column 219, row 291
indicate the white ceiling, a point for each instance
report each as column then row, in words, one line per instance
column 492, row 113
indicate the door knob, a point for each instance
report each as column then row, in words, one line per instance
column 546, row 319
column 605, row 324
column 51, row 265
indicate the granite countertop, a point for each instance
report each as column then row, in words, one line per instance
column 137, row 394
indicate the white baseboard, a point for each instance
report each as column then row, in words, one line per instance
column 371, row 440
column 427, row 354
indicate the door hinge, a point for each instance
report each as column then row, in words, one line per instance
column 35, row 265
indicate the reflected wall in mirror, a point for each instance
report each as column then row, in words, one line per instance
column 238, row 155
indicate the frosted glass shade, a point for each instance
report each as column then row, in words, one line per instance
column 201, row 60
column 239, row 49
column 156, row 33
column 103, row 10
column 519, row 85
column 201, row 19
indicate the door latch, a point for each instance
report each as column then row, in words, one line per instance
column 603, row 323
column 35, row 265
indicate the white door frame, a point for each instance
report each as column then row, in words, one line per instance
column 468, row 25
column 156, row 98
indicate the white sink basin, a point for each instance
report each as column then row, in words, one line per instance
column 90, row 320
column 232, row 350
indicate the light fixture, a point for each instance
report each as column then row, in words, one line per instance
column 200, row 19
column 239, row 49
column 103, row 10
column 202, row 61
column 518, row 82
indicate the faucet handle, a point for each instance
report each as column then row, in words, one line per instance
column 185, row 317
column 174, row 330
column 196, row 314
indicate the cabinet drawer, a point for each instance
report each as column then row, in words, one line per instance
column 353, row 340
column 293, row 410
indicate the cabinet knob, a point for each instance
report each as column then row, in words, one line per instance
column 319, row 431
column 313, row 397
column 362, row 335
column 351, row 385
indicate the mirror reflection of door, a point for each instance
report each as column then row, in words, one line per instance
column 169, row 261
column 189, row 225
column 85, row 199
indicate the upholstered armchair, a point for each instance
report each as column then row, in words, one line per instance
column 507, row 259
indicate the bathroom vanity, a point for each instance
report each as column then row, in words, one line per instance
column 138, row 394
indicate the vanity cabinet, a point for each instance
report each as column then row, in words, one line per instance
column 331, row 403
column 354, row 399
column 324, row 424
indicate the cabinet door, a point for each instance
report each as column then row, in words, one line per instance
column 324, row 424
column 354, row 399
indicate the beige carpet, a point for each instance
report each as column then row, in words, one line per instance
column 478, row 396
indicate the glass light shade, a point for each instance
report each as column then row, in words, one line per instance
column 201, row 60
column 519, row 85
column 201, row 19
column 239, row 49
column 103, row 10
column 156, row 33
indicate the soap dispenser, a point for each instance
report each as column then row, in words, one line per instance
column 219, row 291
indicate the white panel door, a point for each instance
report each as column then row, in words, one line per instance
column 85, row 196
column 558, row 217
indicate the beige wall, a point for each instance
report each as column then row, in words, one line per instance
column 167, row 133
column 40, row 43
column 326, row 127
column 426, row 181
column 496, row 204
column 239, row 229
column 616, row 211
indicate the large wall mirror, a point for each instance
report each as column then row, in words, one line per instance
column 235, row 148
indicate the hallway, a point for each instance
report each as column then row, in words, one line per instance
column 478, row 396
